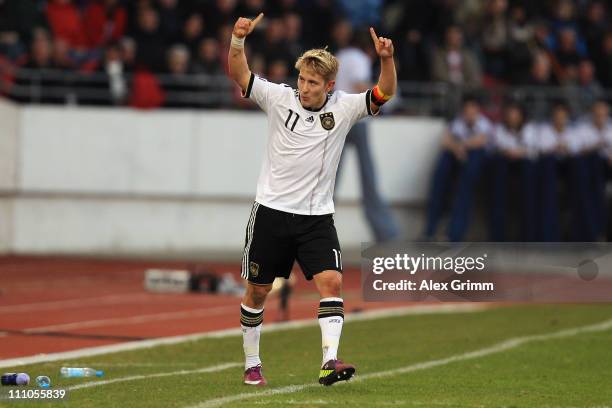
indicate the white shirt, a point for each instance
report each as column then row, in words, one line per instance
column 591, row 137
column 506, row 139
column 545, row 139
column 551, row 138
column 354, row 67
column 298, row 172
column 462, row 131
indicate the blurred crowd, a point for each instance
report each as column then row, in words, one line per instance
column 545, row 179
column 468, row 43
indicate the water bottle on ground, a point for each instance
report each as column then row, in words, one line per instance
column 15, row 379
column 43, row 381
column 67, row 372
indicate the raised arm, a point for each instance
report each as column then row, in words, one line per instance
column 238, row 67
column 387, row 82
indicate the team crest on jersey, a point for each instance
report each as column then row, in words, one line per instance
column 327, row 120
column 253, row 269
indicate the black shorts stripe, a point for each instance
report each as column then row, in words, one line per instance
column 248, row 240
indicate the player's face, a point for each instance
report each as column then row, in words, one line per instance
column 313, row 88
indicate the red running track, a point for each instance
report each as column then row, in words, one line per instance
column 50, row 304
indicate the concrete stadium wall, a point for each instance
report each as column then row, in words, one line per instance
column 119, row 181
column 9, row 132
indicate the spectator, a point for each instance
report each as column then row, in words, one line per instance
column 218, row 14
column 354, row 76
column 495, row 37
column 521, row 34
column 65, row 22
column 250, row 8
column 61, row 55
column 585, row 90
column 454, row 63
column 293, row 33
column 550, row 140
column 193, row 32
column 603, row 124
column 362, row 13
column 463, row 153
column 105, row 22
column 567, row 57
column 149, row 41
column 603, row 61
column 41, row 52
column 594, row 25
column 513, row 160
column 324, row 12
column 38, row 81
column 278, row 8
column 341, row 35
column 589, row 164
column 170, row 18
column 278, row 72
column 177, row 84
column 275, row 40
column 18, row 18
column 207, row 62
column 540, row 78
column 127, row 48
column 208, row 58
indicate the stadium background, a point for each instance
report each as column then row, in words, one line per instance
column 107, row 171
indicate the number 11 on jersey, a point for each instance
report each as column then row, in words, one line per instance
column 338, row 256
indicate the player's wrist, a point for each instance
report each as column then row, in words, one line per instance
column 237, row 42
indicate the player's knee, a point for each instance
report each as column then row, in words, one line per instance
column 257, row 294
column 332, row 285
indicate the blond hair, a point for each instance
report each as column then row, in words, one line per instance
column 320, row 61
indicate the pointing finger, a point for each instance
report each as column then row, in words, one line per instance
column 374, row 36
column 257, row 20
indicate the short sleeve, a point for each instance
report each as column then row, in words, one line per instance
column 457, row 129
column 484, row 126
column 264, row 93
column 357, row 105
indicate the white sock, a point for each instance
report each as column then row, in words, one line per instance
column 331, row 318
column 251, row 321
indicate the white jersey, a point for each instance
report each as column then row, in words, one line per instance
column 506, row 139
column 592, row 137
column 544, row 139
column 298, row 172
column 461, row 130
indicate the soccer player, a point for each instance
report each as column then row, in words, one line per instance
column 292, row 217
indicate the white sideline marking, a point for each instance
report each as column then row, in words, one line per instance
column 439, row 308
column 211, row 369
column 496, row 348
column 121, row 321
column 63, row 304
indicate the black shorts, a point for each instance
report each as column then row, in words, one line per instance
column 275, row 239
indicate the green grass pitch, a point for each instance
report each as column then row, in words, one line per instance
column 521, row 356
